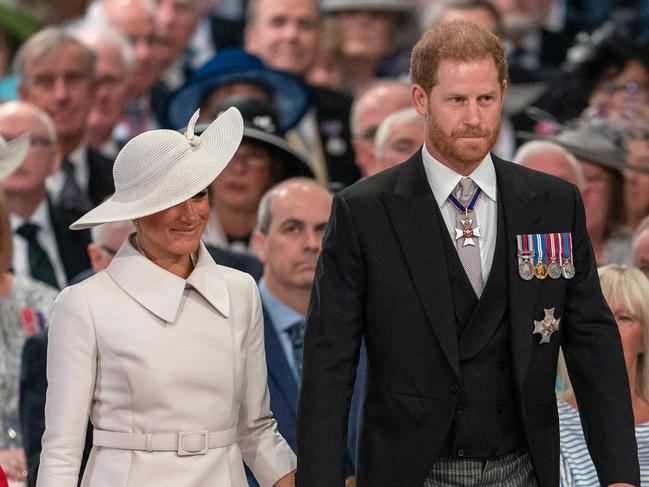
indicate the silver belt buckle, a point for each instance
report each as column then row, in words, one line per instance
column 183, row 452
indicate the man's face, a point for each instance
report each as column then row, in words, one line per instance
column 245, row 179
column 403, row 142
column 371, row 110
column 478, row 15
column 462, row 112
column 290, row 249
column 59, row 84
column 111, row 88
column 30, row 177
column 136, row 23
column 284, row 34
column 366, row 33
column 636, row 184
column 553, row 163
column 176, row 21
column 641, row 251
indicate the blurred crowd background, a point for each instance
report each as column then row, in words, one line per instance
column 324, row 90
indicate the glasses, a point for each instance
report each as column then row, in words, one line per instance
column 253, row 158
column 631, row 87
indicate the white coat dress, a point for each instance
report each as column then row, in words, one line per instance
column 140, row 350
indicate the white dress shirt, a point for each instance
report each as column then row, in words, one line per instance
column 443, row 180
column 47, row 240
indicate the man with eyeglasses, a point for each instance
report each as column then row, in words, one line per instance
column 368, row 111
column 44, row 247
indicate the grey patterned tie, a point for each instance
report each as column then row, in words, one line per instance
column 469, row 254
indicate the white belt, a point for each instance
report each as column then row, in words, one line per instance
column 184, row 443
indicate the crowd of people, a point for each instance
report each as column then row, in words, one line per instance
column 98, row 113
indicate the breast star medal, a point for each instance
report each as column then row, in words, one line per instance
column 467, row 231
column 547, row 326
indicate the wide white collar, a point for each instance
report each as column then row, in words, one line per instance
column 160, row 291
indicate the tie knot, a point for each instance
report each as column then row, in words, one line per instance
column 67, row 166
column 28, row 231
column 296, row 332
column 467, row 188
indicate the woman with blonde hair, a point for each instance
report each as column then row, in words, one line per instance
column 626, row 290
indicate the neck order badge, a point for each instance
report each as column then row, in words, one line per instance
column 467, row 231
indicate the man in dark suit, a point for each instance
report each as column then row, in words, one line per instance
column 284, row 34
column 44, row 247
column 288, row 238
column 463, row 273
column 57, row 75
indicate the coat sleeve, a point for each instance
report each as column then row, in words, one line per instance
column 595, row 361
column 71, row 369
column 331, row 352
column 262, row 447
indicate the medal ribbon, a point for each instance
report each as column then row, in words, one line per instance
column 530, row 245
column 540, row 242
column 549, row 242
column 559, row 241
column 465, row 209
column 567, row 246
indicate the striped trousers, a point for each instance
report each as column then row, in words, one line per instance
column 513, row 470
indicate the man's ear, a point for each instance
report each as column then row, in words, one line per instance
column 419, row 98
column 94, row 252
column 259, row 245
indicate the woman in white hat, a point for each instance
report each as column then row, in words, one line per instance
column 163, row 350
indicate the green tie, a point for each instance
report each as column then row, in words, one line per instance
column 40, row 266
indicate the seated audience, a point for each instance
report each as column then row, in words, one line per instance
column 626, row 291
column 44, row 247
column 25, row 308
column 284, row 34
column 398, row 137
column 370, row 108
column 550, row 158
column 292, row 219
column 262, row 160
column 113, row 69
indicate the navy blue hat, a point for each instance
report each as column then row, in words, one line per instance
column 290, row 96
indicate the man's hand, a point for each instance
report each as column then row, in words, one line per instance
column 287, row 480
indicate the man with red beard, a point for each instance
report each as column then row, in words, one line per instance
column 463, row 274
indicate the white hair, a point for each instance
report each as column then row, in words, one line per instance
column 96, row 13
column 396, row 119
column 95, row 33
column 101, row 234
column 534, row 147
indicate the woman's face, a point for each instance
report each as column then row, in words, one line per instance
column 245, row 179
column 631, row 332
column 636, row 185
column 597, row 193
column 174, row 232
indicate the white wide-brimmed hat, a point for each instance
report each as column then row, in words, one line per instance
column 12, row 154
column 162, row 168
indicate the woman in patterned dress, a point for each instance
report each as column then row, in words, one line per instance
column 24, row 308
column 626, row 290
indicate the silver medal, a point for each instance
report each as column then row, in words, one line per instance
column 568, row 270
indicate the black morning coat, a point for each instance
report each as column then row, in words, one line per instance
column 382, row 276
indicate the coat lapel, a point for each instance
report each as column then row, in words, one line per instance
column 278, row 368
column 524, row 210
column 412, row 208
